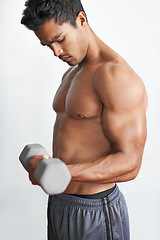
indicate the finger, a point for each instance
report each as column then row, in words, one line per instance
column 45, row 156
column 33, row 181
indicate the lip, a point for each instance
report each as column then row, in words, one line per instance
column 65, row 58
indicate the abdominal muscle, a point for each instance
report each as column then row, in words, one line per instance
column 80, row 141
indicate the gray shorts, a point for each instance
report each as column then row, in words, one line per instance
column 74, row 218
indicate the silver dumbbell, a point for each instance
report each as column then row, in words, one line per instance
column 51, row 174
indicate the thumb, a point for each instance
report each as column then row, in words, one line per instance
column 45, row 156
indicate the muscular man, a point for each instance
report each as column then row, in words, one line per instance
column 100, row 128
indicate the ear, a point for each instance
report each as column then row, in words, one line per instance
column 81, row 19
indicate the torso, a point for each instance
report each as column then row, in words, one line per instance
column 78, row 134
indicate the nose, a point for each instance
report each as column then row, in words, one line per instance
column 57, row 50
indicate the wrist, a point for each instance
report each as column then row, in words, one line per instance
column 70, row 169
column 76, row 171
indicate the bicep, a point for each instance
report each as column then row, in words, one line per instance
column 126, row 130
column 122, row 94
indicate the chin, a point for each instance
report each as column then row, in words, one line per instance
column 72, row 63
column 75, row 61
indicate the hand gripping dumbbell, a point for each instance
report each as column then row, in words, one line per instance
column 51, row 174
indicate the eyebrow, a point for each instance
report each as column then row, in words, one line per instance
column 55, row 38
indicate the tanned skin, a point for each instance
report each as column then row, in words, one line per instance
column 100, row 129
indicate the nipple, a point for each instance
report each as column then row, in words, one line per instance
column 81, row 115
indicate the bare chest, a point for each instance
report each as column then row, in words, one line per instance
column 77, row 97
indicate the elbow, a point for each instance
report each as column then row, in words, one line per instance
column 134, row 167
column 133, row 174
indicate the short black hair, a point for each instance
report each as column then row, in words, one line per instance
column 39, row 11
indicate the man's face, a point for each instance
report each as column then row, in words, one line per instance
column 67, row 43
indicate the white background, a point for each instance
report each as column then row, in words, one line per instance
column 29, row 77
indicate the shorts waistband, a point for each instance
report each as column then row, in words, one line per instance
column 89, row 203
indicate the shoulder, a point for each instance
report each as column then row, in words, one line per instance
column 116, row 75
column 66, row 73
column 117, row 84
column 70, row 73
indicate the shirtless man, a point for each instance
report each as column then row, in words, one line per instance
column 100, row 128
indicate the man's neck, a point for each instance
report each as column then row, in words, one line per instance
column 93, row 54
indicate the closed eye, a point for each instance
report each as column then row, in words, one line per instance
column 60, row 41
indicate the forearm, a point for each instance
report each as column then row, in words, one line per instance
column 123, row 178
column 116, row 167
